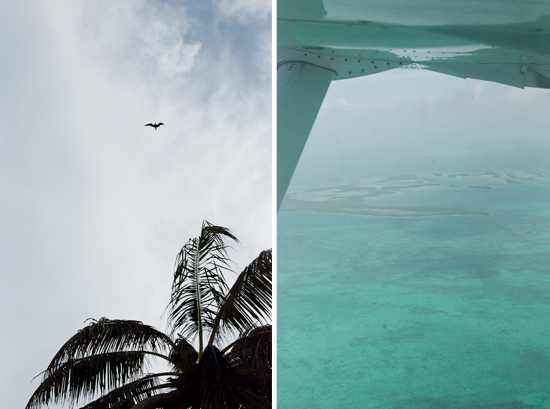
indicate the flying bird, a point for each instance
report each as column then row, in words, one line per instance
column 155, row 125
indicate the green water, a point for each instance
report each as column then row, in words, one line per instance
column 418, row 312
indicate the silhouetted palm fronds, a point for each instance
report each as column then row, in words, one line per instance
column 107, row 361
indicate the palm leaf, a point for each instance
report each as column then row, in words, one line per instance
column 128, row 395
column 103, row 355
column 185, row 357
column 107, row 335
column 186, row 395
column 84, row 377
column 251, row 356
column 199, row 284
column 248, row 303
column 222, row 386
column 176, row 399
column 252, row 350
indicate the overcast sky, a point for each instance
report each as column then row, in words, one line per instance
column 94, row 206
column 412, row 120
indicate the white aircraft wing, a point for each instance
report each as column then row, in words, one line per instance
column 319, row 41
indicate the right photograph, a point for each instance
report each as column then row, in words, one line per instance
column 413, row 194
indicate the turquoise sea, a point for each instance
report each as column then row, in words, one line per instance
column 412, row 311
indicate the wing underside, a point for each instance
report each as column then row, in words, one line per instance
column 330, row 40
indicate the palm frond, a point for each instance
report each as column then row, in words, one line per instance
column 107, row 335
column 251, row 356
column 185, row 356
column 128, row 395
column 252, row 350
column 176, row 399
column 107, row 360
column 199, row 284
column 222, row 386
column 78, row 378
column 186, row 395
column 248, row 303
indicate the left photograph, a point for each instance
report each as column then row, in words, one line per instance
column 136, row 204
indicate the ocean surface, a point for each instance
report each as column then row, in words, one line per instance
column 425, row 291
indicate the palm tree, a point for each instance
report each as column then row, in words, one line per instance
column 107, row 361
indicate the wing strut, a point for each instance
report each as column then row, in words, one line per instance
column 301, row 88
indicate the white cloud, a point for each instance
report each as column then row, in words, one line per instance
column 404, row 121
column 342, row 102
column 138, row 38
column 244, row 11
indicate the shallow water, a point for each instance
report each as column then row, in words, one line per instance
column 418, row 312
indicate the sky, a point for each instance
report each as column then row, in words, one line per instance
column 94, row 206
column 411, row 120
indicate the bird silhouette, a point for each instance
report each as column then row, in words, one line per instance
column 155, row 125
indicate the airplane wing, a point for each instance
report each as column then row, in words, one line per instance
column 320, row 41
